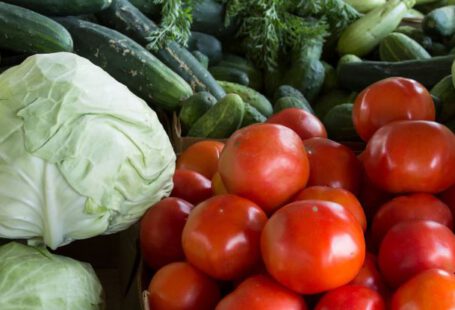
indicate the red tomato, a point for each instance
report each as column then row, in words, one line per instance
column 180, row 286
column 369, row 276
column 305, row 124
column 332, row 164
column 265, row 163
column 448, row 196
column 412, row 247
column 338, row 195
column 389, row 100
column 191, row 186
column 411, row 156
column 261, row 293
column 407, row 208
column 161, row 232
column 352, row 297
column 218, row 187
column 429, row 290
column 313, row 246
column 201, row 157
column 222, row 236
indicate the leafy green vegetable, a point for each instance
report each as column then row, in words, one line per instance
column 80, row 155
column 33, row 279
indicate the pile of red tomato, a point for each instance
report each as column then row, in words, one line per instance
column 281, row 218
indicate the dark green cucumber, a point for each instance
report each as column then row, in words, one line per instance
column 62, row 7
column 291, row 102
column 148, row 7
column 438, row 49
column 23, row 30
column 399, row 47
column 203, row 60
column 127, row 19
column 250, row 96
column 194, row 107
column 336, row 97
column 209, row 17
column 128, row 62
column 339, row 124
column 254, row 75
column 230, row 74
column 252, row 116
column 273, row 79
column 288, row 91
column 330, row 78
column 440, row 23
column 207, row 45
column 417, row 35
column 221, row 120
column 357, row 76
column 445, row 92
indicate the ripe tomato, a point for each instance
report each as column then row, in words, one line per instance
column 407, row 208
column 180, row 286
column 433, row 289
column 352, row 297
column 411, row 156
column 391, row 100
column 161, row 232
column 313, row 246
column 332, row 164
column 305, row 124
column 265, row 163
column 338, row 195
column 412, row 247
column 218, row 187
column 369, row 276
column 191, row 186
column 261, row 293
column 201, row 157
column 222, row 236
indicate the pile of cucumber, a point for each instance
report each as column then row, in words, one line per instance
column 211, row 85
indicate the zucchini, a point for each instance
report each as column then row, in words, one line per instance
column 399, row 47
column 362, row 36
column 254, row 75
column 288, row 91
column 357, row 76
column 339, row 124
column 23, row 30
column 250, row 96
column 230, row 74
column 207, row 45
column 61, row 7
column 252, row 116
column 440, row 23
column 127, row 19
column 194, row 107
column 417, row 34
column 128, row 62
column 445, row 92
column 291, row 102
column 221, row 120
column 336, row 97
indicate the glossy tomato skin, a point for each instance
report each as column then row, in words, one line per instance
column 261, row 293
column 191, row 186
column 411, row 156
column 180, row 286
column 389, row 100
column 337, row 195
column 369, row 276
column 415, row 246
column 432, row 289
column 305, row 124
column 312, row 246
column 352, row 297
column 265, row 163
column 161, row 232
column 201, row 157
column 333, row 165
column 222, row 236
column 407, row 208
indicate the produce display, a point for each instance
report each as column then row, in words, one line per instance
column 273, row 154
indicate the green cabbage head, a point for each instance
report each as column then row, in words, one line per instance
column 33, row 279
column 80, row 155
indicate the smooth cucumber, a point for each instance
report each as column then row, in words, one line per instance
column 23, row 30
column 254, row 75
column 128, row 62
column 127, row 19
column 62, row 7
column 221, row 120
